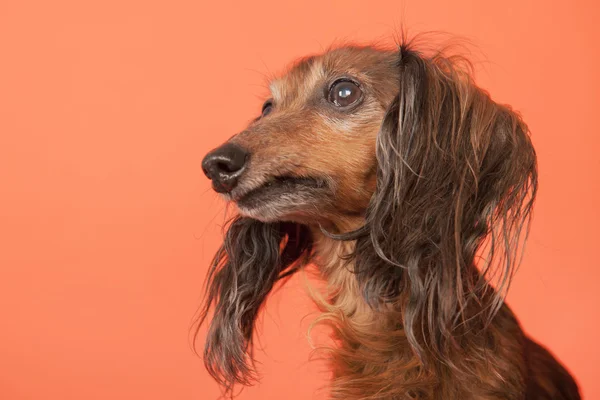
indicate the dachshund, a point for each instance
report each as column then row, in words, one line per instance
column 411, row 191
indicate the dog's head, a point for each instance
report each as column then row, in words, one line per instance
column 310, row 156
column 432, row 169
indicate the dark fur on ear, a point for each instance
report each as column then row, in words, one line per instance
column 456, row 179
column 254, row 256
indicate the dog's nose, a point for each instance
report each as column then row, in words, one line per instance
column 224, row 165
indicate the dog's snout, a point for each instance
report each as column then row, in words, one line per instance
column 224, row 165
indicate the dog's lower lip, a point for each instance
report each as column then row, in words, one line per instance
column 280, row 182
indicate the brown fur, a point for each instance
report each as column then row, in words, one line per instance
column 407, row 192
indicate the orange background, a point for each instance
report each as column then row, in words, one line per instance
column 107, row 224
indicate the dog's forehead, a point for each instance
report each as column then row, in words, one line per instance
column 309, row 72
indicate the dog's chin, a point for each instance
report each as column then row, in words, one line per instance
column 284, row 199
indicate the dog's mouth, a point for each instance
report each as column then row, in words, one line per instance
column 281, row 189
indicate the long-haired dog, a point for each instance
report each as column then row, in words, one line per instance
column 411, row 190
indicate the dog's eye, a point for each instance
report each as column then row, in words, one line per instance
column 344, row 93
column 267, row 108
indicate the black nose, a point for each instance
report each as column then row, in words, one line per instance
column 224, row 165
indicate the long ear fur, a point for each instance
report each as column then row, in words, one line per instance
column 456, row 180
column 254, row 256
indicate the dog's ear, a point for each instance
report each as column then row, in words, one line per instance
column 456, row 180
column 253, row 257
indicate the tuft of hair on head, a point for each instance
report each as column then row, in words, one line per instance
column 252, row 259
column 456, row 182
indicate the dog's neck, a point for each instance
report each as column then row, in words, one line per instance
column 329, row 253
column 343, row 298
column 364, row 338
